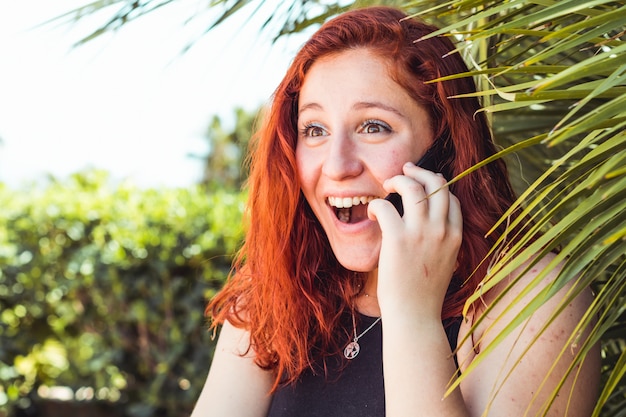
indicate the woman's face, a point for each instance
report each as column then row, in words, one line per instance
column 356, row 128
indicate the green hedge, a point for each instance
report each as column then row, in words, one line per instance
column 102, row 290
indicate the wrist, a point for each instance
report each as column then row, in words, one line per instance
column 422, row 312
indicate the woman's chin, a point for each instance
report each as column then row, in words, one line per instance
column 358, row 264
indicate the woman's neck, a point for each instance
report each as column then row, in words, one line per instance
column 367, row 302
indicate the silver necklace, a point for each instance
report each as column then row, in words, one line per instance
column 353, row 348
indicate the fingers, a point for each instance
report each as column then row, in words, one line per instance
column 455, row 216
column 413, row 193
column 425, row 196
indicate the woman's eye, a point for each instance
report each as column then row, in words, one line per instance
column 313, row 130
column 375, row 126
column 372, row 128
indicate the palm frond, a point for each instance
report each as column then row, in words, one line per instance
column 566, row 62
column 278, row 20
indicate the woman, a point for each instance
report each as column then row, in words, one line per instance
column 341, row 306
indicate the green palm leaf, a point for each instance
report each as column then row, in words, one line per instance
column 578, row 201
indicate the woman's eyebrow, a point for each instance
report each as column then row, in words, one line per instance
column 309, row 106
column 357, row 106
column 378, row 105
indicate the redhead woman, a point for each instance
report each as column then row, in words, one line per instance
column 340, row 303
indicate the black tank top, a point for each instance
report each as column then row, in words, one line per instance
column 357, row 390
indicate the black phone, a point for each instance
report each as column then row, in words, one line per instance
column 430, row 161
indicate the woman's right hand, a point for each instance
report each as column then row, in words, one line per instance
column 419, row 250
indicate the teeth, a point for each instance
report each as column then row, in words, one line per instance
column 347, row 202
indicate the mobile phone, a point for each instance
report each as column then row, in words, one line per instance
column 429, row 161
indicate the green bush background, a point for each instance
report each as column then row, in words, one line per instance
column 103, row 288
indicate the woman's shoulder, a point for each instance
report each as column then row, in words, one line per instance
column 529, row 354
column 534, row 283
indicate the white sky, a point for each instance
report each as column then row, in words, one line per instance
column 128, row 102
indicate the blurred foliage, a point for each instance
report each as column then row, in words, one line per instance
column 103, row 288
column 224, row 165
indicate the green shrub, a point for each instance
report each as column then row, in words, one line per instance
column 102, row 290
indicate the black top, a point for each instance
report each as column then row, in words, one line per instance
column 357, row 390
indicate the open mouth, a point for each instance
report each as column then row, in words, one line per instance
column 350, row 209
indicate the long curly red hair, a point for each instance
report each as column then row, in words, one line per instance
column 287, row 288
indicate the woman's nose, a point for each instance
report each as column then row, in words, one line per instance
column 342, row 159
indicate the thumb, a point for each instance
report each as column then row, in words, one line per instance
column 383, row 212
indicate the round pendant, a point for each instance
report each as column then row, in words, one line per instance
column 351, row 350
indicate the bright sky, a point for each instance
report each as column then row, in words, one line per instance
column 128, row 102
